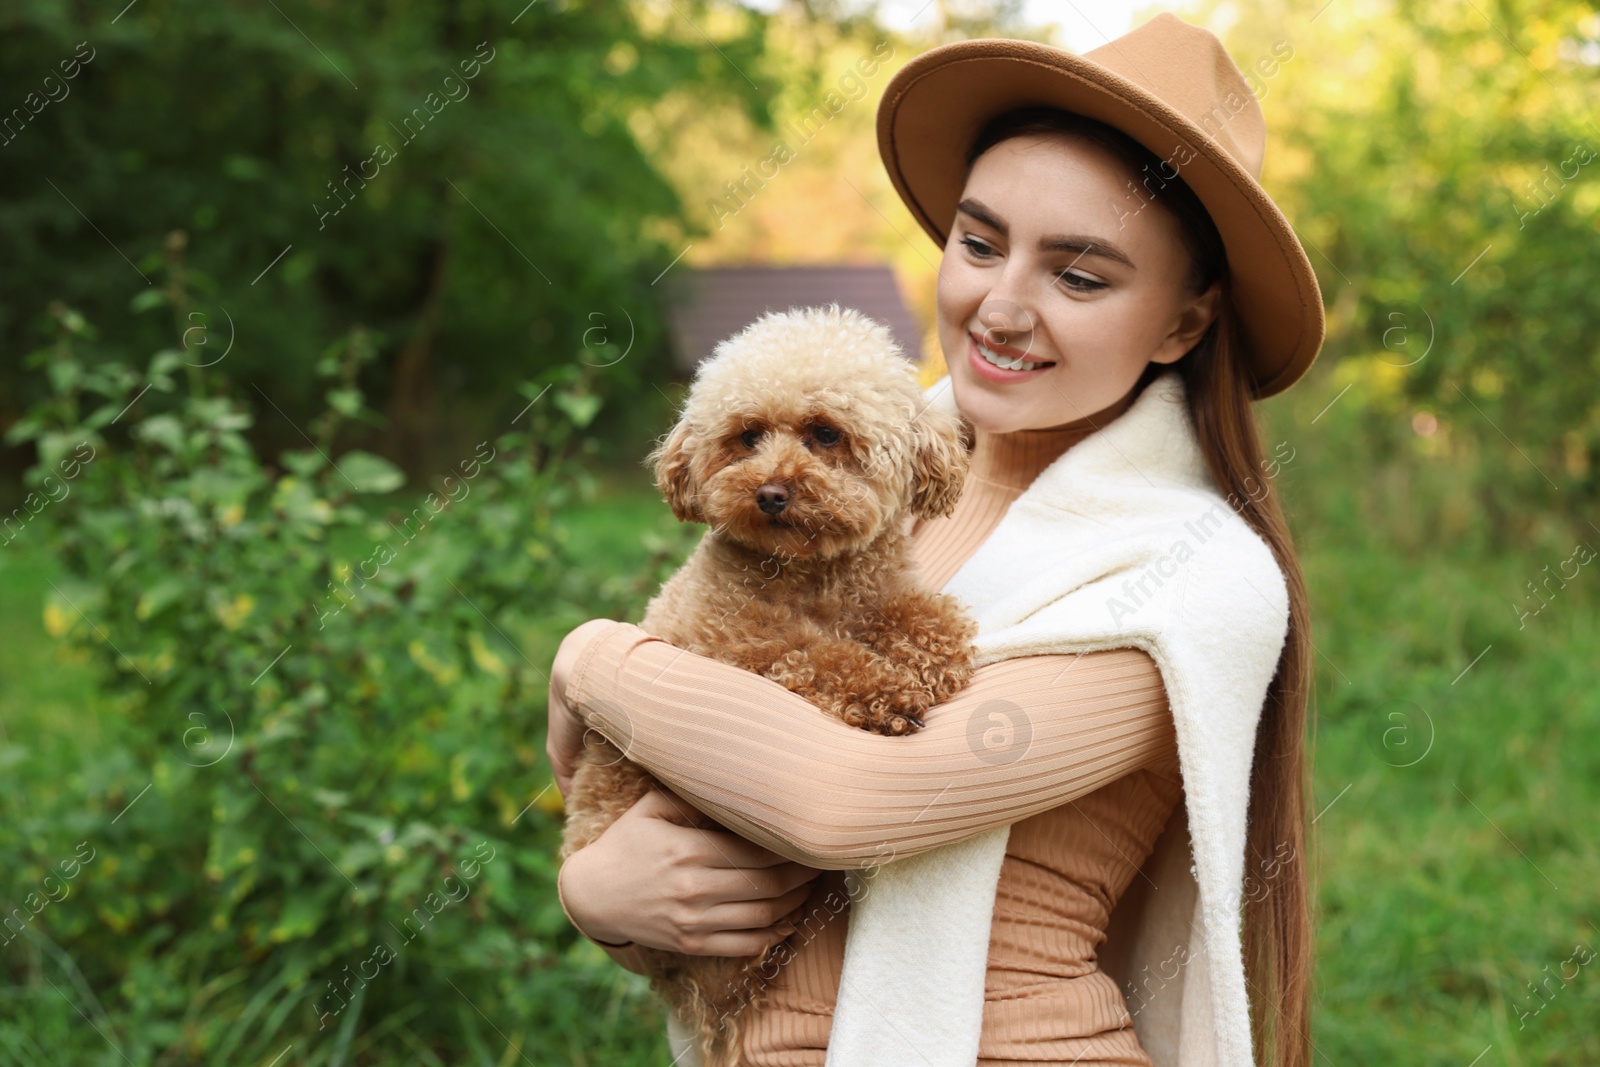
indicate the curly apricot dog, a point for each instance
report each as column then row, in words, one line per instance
column 805, row 445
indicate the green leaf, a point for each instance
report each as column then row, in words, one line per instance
column 74, row 323
column 579, row 407
column 164, row 362
column 161, row 595
column 345, row 401
column 24, row 429
column 164, row 430
column 304, row 462
column 103, row 415
column 222, row 488
column 329, row 798
column 54, row 446
column 371, row 474
column 220, row 413
column 300, row 917
column 147, row 299
column 301, row 505
column 64, row 375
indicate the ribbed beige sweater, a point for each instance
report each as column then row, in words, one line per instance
column 1087, row 799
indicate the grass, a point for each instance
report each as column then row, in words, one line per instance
column 1456, row 779
column 1456, row 800
column 1455, row 789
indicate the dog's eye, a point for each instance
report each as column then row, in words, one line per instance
column 750, row 437
column 826, row 435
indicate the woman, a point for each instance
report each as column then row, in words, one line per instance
column 1115, row 289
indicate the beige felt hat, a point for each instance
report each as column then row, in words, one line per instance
column 1170, row 86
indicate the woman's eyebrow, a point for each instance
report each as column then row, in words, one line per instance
column 1079, row 243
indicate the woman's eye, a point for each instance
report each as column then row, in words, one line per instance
column 1080, row 282
column 977, row 247
column 750, row 437
column 826, row 435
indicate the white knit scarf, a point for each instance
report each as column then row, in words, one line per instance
column 1123, row 541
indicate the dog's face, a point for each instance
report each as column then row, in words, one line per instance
column 806, row 436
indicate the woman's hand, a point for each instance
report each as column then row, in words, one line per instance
column 564, row 738
column 652, row 880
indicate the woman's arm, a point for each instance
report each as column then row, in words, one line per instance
column 1025, row 736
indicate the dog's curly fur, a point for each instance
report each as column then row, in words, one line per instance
column 805, row 444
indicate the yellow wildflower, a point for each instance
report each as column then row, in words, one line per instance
column 485, row 659
column 56, row 621
column 550, row 801
column 443, row 673
column 232, row 614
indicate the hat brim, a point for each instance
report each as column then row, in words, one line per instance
column 936, row 104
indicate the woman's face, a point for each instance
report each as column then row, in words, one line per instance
column 1052, row 260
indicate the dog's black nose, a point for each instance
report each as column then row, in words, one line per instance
column 772, row 498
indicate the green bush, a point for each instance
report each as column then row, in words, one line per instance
column 316, row 812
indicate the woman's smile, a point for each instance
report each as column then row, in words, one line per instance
column 1001, row 363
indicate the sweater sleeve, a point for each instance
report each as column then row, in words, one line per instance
column 1026, row 735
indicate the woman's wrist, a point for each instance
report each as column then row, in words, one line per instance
column 562, row 900
column 587, row 636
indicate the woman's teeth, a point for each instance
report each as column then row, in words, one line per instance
column 1007, row 364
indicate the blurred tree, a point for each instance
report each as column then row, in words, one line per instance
column 460, row 177
column 1439, row 162
column 813, row 190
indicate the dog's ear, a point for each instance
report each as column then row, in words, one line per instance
column 938, row 464
column 670, row 463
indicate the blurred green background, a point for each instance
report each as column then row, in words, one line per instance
column 305, row 477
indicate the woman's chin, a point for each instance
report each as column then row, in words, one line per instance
column 982, row 408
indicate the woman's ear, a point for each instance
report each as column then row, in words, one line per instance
column 1192, row 322
column 938, row 463
column 670, row 462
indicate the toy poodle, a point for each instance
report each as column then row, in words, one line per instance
column 805, row 446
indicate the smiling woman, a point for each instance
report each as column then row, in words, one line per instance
column 1054, row 282
column 1105, row 357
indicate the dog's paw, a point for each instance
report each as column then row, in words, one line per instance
column 880, row 717
column 948, row 679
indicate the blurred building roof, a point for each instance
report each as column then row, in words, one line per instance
column 709, row 305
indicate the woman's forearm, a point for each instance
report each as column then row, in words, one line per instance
column 1026, row 735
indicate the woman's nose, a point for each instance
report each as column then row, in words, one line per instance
column 1005, row 321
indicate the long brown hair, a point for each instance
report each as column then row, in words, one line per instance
column 1277, row 924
